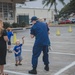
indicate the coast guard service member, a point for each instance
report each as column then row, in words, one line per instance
column 39, row 30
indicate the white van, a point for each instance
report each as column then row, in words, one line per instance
column 72, row 20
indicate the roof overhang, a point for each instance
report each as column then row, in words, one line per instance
column 16, row 1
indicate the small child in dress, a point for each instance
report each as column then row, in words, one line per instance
column 10, row 34
column 17, row 51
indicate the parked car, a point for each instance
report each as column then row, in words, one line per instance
column 68, row 21
column 73, row 20
column 65, row 22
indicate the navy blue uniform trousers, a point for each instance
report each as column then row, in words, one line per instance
column 36, row 53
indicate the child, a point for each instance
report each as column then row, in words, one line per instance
column 10, row 34
column 18, row 51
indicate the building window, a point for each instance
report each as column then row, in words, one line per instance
column 10, row 15
column 0, row 10
column 10, row 6
column 6, row 11
column 0, row 7
column 0, row 15
column 10, row 9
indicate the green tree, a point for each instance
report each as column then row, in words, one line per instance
column 50, row 3
column 68, row 9
column 6, row 25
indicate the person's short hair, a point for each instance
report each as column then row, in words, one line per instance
column 34, row 18
column 17, row 40
column 8, row 29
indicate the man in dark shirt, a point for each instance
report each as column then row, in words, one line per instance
column 39, row 30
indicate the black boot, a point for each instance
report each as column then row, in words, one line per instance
column 33, row 71
column 46, row 67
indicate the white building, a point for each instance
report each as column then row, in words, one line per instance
column 9, row 12
column 7, row 9
column 39, row 12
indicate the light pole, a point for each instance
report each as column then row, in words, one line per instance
column 34, row 11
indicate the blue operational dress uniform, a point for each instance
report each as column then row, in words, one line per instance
column 40, row 31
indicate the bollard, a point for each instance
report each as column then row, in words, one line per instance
column 14, row 38
column 58, row 32
column 70, row 29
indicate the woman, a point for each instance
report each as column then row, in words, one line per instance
column 3, row 48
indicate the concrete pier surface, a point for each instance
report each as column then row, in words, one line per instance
column 61, row 57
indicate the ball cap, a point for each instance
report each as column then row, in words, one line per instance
column 34, row 18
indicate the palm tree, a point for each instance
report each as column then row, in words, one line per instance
column 50, row 3
column 69, row 8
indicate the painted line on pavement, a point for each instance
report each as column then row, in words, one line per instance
column 62, row 53
column 55, row 52
column 32, row 43
column 65, row 68
column 63, row 42
column 13, row 72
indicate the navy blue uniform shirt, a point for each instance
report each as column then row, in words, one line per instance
column 40, row 31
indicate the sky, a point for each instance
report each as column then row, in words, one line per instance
column 38, row 4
